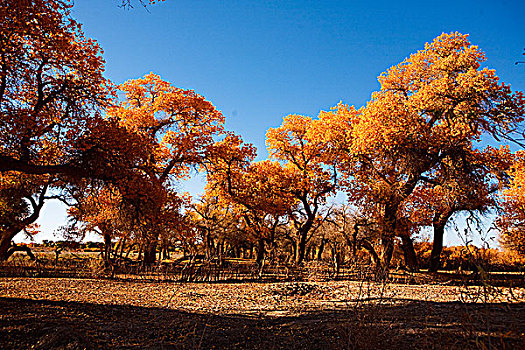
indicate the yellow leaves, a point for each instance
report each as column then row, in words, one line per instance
column 516, row 192
column 307, row 143
column 54, row 81
column 437, row 98
column 179, row 124
column 423, row 123
column 512, row 219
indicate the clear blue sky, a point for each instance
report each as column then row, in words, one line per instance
column 258, row 61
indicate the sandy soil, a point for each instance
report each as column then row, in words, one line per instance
column 60, row 313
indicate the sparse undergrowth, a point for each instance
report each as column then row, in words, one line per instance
column 58, row 304
column 68, row 313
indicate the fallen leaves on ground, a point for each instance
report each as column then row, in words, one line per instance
column 89, row 313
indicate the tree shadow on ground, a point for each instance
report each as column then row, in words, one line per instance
column 42, row 324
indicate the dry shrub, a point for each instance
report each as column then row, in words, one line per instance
column 470, row 256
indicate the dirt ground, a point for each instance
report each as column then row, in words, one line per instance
column 55, row 313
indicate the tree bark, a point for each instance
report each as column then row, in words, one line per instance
column 388, row 233
column 294, row 251
column 388, row 250
column 437, row 247
column 150, row 253
column 303, row 240
column 260, row 252
column 409, row 253
column 5, row 244
column 107, row 247
column 301, row 250
column 375, row 258
column 7, row 236
column 25, row 249
column 13, row 229
column 321, row 249
column 122, row 247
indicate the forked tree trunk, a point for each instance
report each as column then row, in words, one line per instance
column 7, row 235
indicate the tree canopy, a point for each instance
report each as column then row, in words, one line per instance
column 414, row 156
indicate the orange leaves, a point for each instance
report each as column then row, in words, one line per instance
column 290, row 139
column 442, row 97
column 410, row 152
column 233, row 174
column 177, row 128
column 97, row 208
column 166, row 103
column 437, row 100
column 301, row 144
column 52, row 84
column 180, row 122
column 265, row 185
column 228, row 156
column 512, row 219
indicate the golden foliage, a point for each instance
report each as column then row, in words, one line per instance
column 512, row 221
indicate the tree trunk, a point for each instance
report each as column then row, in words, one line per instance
column 437, row 247
column 309, row 251
column 25, row 249
column 116, row 248
column 301, row 249
column 321, row 249
column 150, row 253
column 5, row 244
column 337, row 262
column 220, row 251
column 370, row 248
column 260, row 252
column 388, row 233
column 388, row 250
column 107, row 247
column 7, row 235
column 122, row 247
column 409, row 253
column 210, row 248
column 294, row 251
column 354, row 240
column 165, row 249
